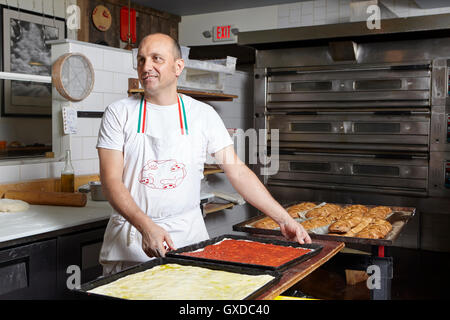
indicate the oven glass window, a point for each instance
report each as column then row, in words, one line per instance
column 376, row 127
column 311, row 127
column 376, row 170
column 378, row 84
column 311, row 86
column 310, row 166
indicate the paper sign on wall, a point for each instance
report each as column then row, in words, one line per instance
column 69, row 120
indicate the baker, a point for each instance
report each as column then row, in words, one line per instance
column 152, row 149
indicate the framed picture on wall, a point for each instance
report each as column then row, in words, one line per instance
column 25, row 51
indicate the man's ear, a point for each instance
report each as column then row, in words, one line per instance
column 179, row 66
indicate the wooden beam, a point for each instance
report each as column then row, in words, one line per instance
column 147, row 10
column 83, row 32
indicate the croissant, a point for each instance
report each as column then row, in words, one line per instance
column 325, row 210
column 296, row 209
column 380, row 212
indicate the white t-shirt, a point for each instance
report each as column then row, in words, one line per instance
column 119, row 131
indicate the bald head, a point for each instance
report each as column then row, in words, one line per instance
column 174, row 43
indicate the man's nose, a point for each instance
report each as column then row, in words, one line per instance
column 148, row 65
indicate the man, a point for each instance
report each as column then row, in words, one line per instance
column 152, row 150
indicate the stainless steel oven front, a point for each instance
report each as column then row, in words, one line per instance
column 374, row 129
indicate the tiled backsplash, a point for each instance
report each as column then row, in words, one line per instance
column 112, row 69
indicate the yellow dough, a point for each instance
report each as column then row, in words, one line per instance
column 178, row 282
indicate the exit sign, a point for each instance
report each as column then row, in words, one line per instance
column 223, row 33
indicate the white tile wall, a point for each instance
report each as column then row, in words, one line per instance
column 9, row 174
column 76, row 148
column 112, row 69
column 317, row 12
column 51, row 7
column 54, row 169
column 89, row 149
column 33, row 171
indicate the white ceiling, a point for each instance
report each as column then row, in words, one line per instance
column 189, row 7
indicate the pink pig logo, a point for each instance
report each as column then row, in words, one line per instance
column 162, row 174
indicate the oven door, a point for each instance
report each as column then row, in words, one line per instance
column 349, row 86
column 354, row 130
column 352, row 172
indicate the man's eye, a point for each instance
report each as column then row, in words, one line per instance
column 158, row 59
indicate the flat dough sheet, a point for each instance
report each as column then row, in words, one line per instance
column 179, row 282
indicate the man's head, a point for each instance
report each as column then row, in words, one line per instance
column 159, row 64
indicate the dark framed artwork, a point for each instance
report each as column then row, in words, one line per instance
column 24, row 36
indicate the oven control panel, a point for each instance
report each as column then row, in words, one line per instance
column 448, row 128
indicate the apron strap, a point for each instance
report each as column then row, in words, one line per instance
column 181, row 114
column 142, row 112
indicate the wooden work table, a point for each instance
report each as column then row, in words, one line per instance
column 297, row 272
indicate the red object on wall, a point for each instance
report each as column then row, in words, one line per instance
column 124, row 24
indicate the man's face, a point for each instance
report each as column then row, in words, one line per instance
column 157, row 68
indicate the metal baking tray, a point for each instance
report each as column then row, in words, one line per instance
column 398, row 219
column 315, row 249
column 161, row 261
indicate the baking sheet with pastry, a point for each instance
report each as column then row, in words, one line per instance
column 397, row 218
column 267, row 249
column 163, row 287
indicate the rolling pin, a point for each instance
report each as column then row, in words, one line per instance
column 48, row 198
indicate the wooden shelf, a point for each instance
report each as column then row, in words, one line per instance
column 211, row 207
column 199, row 95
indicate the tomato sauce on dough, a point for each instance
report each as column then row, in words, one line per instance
column 250, row 252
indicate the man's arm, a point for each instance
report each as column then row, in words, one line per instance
column 111, row 169
column 250, row 187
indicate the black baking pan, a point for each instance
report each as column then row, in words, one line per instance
column 398, row 219
column 315, row 249
column 160, row 261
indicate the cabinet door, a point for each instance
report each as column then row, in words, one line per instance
column 29, row 271
column 78, row 251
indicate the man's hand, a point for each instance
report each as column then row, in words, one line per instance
column 156, row 241
column 294, row 231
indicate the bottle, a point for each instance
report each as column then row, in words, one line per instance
column 67, row 175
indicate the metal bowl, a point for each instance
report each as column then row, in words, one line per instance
column 95, row 188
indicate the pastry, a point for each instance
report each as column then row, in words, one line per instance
column 378, row 229
column 365, row 221
column 350, row 219
column 316, row 222
column 380, row 212
column 175, row 282
column 266, row 223
column 296, row 209
column 324, row 210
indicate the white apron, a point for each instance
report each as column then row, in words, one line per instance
column 166, row 176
